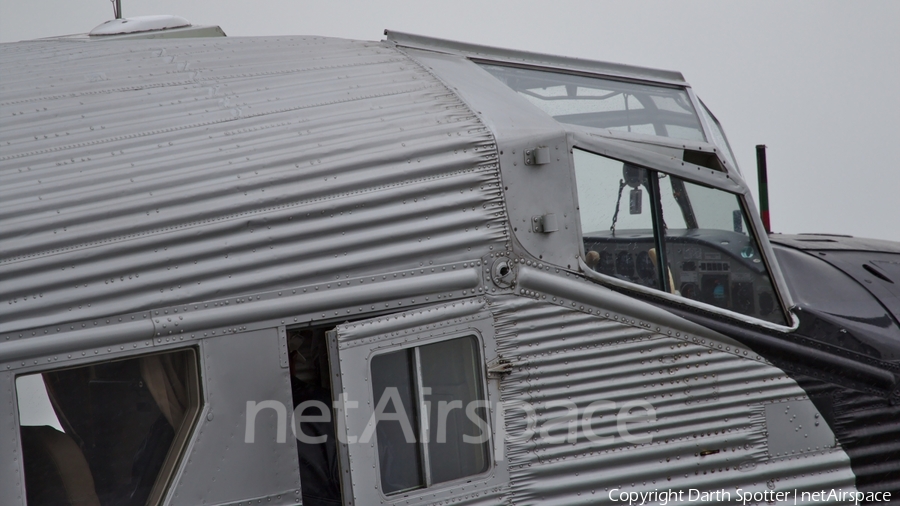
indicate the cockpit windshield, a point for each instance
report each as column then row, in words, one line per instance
column 606, row 103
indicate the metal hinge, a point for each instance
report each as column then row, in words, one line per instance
column 544, row 224
column 498, row 368
column 284, row 355
column 537, row 156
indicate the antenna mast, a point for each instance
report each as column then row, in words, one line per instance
column 761, row 174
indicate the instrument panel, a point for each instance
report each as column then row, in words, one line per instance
column 719, row 268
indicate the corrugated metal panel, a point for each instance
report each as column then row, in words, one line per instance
column 869, row 428
column 141, row 174
column 710, row 431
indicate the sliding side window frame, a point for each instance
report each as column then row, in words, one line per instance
column 350, row 361
column 697, row 175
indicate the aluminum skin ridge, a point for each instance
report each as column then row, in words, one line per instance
column 602, row 297
column 463, row 279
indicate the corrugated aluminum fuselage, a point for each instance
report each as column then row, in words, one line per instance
column 210, row 193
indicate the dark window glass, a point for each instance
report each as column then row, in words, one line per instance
column 399, row 457
column 442, row 402
column 109, row 433
column 449, row 371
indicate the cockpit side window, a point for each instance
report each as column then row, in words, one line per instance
column 614, row 197
column 595, row 102
column 663, row 232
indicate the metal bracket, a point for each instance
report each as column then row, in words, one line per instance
column 544, row 224
column 498, row 368
column 283, row 354
column 537, row 156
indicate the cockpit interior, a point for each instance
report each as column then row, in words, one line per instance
column 663, row 232
column 651, row 228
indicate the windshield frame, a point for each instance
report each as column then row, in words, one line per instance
column 704, row 177
column 714, row 130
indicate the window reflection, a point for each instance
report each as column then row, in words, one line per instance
column 718, row 134
column 618, row 228
column 670, row 234
column 431, row 414
column 606, row 103
column 398, row 453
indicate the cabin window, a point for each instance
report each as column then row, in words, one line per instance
column 108, row 433
column 664, row 111
column 431, row 414
column 664, row 232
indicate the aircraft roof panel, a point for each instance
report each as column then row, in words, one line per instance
column 145, row 173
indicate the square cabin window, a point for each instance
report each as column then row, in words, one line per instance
column 108, row 433
column 431, row 414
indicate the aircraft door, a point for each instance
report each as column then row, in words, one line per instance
column 415, row 410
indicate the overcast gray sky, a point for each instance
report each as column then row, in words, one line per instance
column 818, row 82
